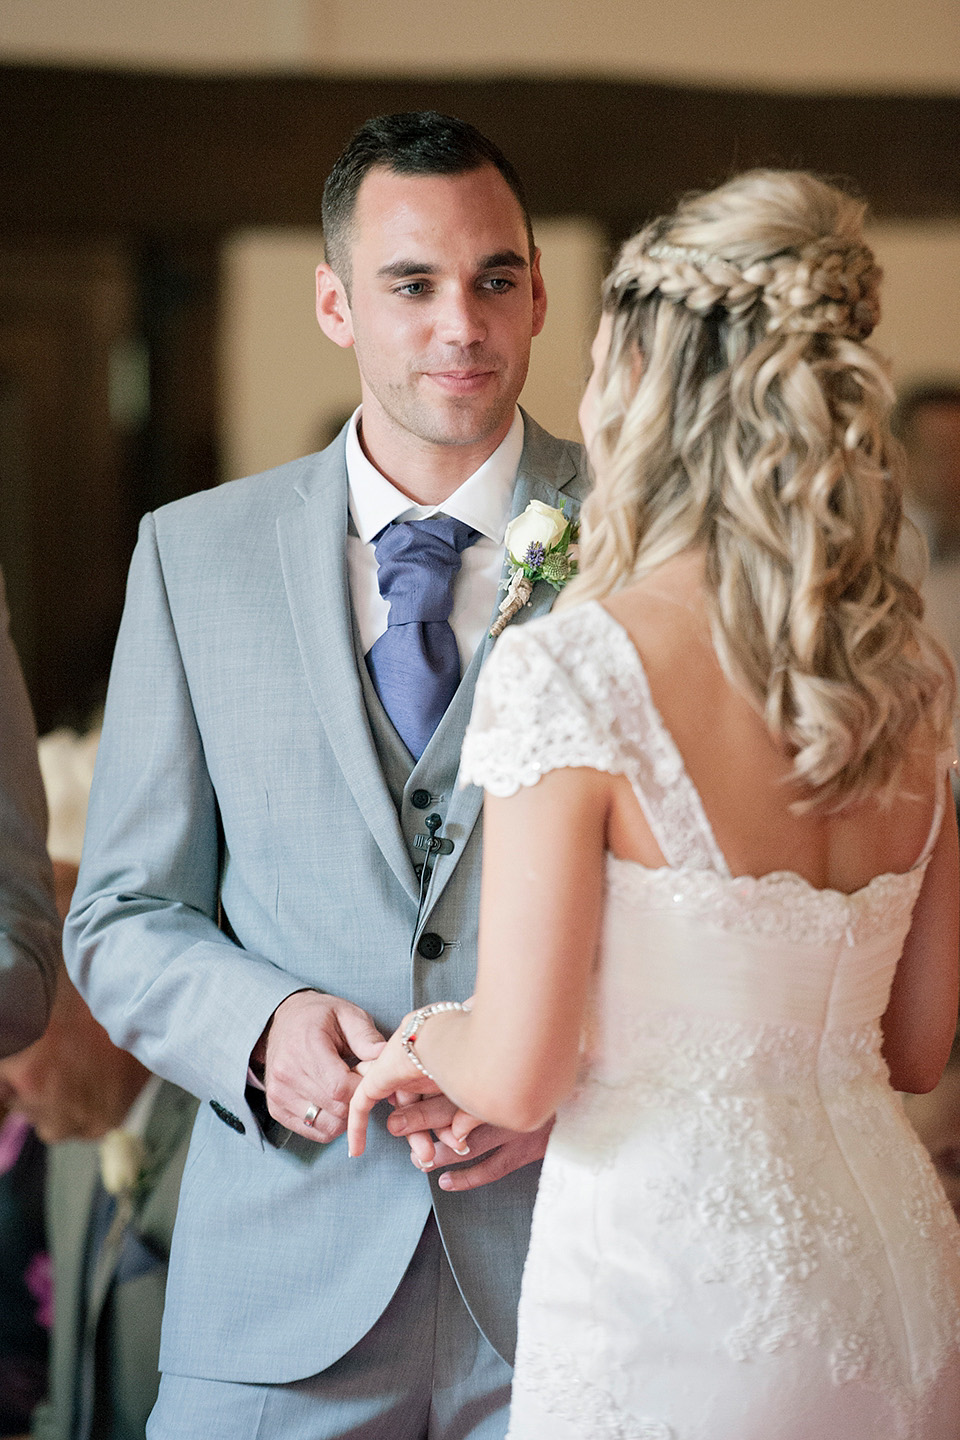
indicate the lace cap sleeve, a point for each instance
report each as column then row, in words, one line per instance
column 528, row 718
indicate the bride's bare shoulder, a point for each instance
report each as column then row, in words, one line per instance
column 666, row 613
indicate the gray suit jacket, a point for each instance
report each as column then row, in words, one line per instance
column 29, row 927
column 116, row 1334
column 242, row 843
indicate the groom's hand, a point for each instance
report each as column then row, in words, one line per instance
column 493, row 1151
column 307, row 1050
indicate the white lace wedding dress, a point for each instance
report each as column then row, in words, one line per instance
column 737, row 1235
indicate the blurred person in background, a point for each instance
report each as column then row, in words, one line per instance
column 29, row 946
column 25, row 1290
column 117, row 1139
column 936, row 1119
column 926, row 421
column 29, row 928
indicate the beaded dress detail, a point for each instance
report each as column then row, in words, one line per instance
column 737, row 1234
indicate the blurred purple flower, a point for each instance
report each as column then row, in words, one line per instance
column 13, row 1134
column 39, row 1281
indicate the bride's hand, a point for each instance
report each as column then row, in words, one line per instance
column 392, row 1071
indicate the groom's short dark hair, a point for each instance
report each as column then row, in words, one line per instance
column 415, row 142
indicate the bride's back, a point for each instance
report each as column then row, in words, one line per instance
column 743, row 776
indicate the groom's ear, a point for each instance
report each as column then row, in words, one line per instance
column 333, row 308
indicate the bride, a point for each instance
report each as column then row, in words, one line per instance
column 719, row 925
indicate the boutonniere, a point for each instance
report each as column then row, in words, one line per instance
column 541, row 545
column 122, row 1160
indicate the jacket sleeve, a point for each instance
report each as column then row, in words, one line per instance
column 142, row 941
column 29, row 927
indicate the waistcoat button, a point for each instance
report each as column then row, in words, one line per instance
column 420, row 799
column 430, row 946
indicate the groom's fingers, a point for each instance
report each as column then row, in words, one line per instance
column 308, row 1081
column 511, row 1151
column 362, row 1037
column 431, row 1112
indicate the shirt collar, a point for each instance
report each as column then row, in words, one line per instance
column 484, row 500
column 138, row 1116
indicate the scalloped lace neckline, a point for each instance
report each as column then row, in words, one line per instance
column 773, row 877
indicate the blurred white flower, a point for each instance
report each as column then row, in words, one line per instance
column 122, row 1157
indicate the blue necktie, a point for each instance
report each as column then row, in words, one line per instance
column 415, row 664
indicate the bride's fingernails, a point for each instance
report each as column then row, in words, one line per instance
column 462, row 1149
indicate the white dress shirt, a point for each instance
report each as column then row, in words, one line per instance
column 483, row 501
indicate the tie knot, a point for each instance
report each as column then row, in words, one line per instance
column 417, row 562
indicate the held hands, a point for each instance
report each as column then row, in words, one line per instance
column 311, row 1045
column 441, row 1134
column 438, row 1132
column 310, row 1053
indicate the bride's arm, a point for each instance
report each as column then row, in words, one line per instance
column 513, row 1057
column 921, row 1015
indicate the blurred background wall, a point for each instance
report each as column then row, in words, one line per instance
column 159, row 211
column 816, row 45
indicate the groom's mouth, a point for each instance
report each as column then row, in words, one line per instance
column 461, row 382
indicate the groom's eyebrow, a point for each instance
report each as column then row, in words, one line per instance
column 503, row 260
column 405, row 269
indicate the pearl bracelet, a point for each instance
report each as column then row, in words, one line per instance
column 411, row 1030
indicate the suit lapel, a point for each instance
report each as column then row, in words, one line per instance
column 546, row 467
column 72, row 1226
column 313, row 559
column 124, row 1254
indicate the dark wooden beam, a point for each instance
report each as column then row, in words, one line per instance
column 87, row 151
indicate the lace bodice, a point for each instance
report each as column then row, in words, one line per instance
column 733, row 1217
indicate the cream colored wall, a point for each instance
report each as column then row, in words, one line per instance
column 814, row 45
column 920, row 328
column 283, row 382
column 817, row 44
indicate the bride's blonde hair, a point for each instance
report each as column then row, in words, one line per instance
column 759, row 431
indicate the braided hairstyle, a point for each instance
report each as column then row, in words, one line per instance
column 759, row 431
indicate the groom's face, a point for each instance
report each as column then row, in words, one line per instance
column 444, row 300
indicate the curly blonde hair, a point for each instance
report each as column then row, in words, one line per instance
column 759, row 431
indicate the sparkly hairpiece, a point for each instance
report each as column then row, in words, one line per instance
column 685, row 252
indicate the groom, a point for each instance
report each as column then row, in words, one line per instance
column 259, row 902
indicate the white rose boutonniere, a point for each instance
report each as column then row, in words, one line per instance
column 538, row 548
